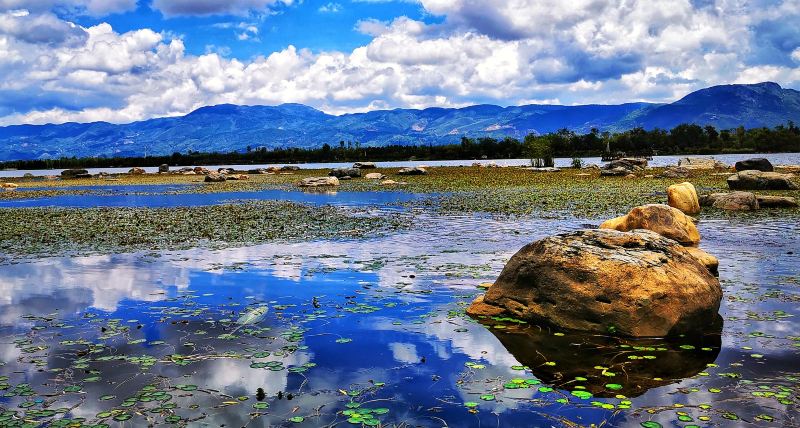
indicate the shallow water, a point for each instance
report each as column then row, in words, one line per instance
column 378, row 324
column 657, row 161
column 156, row 196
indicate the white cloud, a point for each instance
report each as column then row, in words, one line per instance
column 505, row 52
column 330, row 8
column 88, row 7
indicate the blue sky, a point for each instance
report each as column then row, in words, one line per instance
column 127, row 60
column 314, row 24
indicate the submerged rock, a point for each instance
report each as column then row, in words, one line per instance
column 413, row 171
column 605, row 281
column 765, row 201
column 683, row 197
column 662, row 219
column 758, row 164
column 319, row 182
column 757, row 180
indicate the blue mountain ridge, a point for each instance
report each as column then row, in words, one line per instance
column 227, row 127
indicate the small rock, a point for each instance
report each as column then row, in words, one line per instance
column 734, row 201
column 709, row 261
column 345, row 172
column 75, row 173
column 364, row 165
column 375, row 176
column 757, row 164
column 225, row 171
column 9, row 186
column 757, row 180
column 683, row 197
column 676, row 172
column 662, row 219
column 136, row 171
column 391, row 182
column 290, row 168
column 215, row 177
column 319, row 182
column 417, row 170
column 702, row 163
column 199, row 170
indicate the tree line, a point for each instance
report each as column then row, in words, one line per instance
column 683, row 139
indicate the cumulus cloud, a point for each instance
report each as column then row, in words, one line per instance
column 213, row 7
column 330, row 8
column 494, row 51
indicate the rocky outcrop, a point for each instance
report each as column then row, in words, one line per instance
column 683, row 197
column 757, row 180
column 702, row 163
column 319, row 182
column 215, row 177
column 364, row 165
column 413, row 171
column 757, row 164
column 75, row 173
column 605, row 281
column 662, row 219
column 345, row 172
column 136, row 171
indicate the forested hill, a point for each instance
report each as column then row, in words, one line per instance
column 227, row 128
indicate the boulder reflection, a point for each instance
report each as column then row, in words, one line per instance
column 610, row 365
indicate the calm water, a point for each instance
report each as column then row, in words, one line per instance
column 372, row 331
column 775, row 158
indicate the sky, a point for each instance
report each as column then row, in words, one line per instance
column 127, row 60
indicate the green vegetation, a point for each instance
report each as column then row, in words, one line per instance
column 683, row 139
column 49, row 231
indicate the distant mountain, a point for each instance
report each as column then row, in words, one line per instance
column 230, row 127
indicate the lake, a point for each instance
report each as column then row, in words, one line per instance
column 775, row 158
column 368, row 332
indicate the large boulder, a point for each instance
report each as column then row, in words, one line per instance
column 413, row 171
column 683, row 197
column 75, row 173
column 632, row 284
column 734, row 201
column 758, row 180
column 345, row 172
column 765, row 201
column 163, row 168
column 710, row 262
column 757, row 164
column 319, row 182
column 365, row 165
column 702, row 163
column 662, row 219
column 136, row 171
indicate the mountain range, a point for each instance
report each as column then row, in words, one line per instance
column 227, row 127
